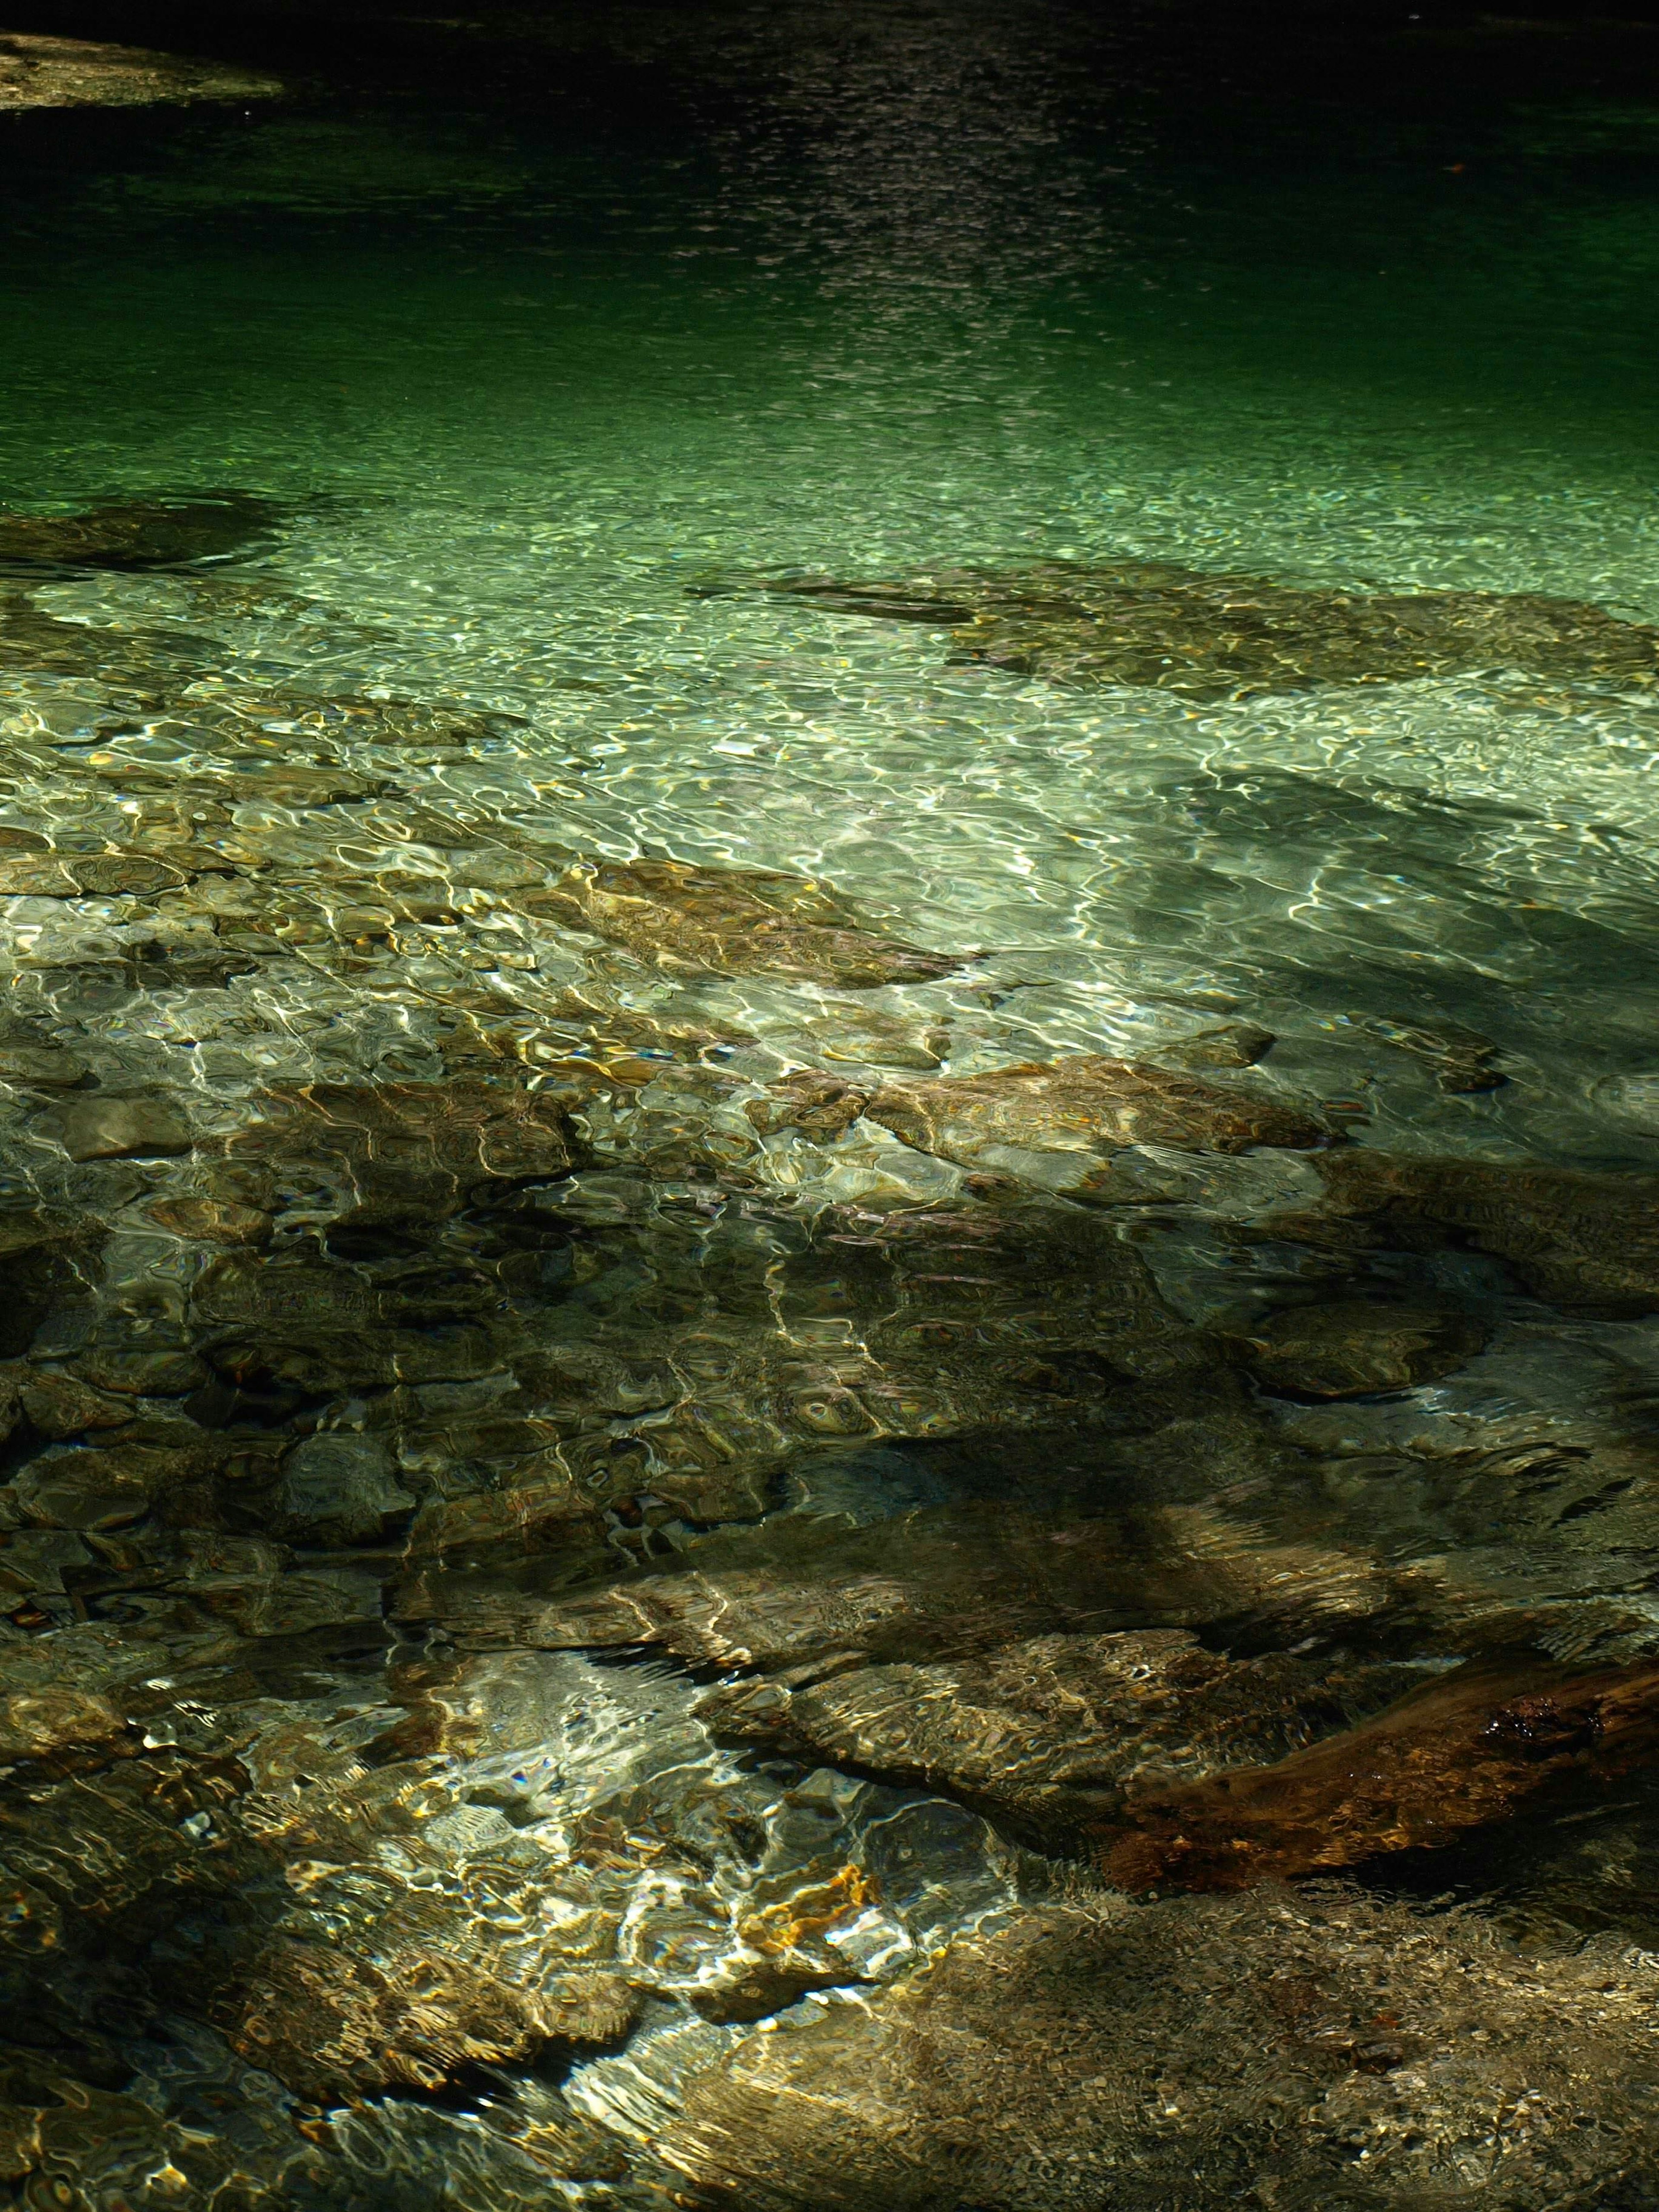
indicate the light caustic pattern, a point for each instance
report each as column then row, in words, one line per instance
column 830, row 1132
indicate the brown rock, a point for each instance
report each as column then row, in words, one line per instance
column 331, row 2021
column 212, row 1220
column 91, row 875
column 1190, row 2053
column 821, row 1105
column 733, row 921
column 61, row 1404
column 1086, row 1106
column 1052, row 1732
column 1465, row 1749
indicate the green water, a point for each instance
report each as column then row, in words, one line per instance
column 544, row 390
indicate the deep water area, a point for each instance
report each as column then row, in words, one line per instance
column 830, row 1112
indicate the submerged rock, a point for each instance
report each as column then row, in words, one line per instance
column 1334, row 2052
column 1050, row 1734
column 1053, row 1121
column 1463, row 1060
column 160, row 532
column 1152, row 623
column 1581, row 1239
column 97, row 1127
column 1463, row 1750
column 734, row 922
column 37, row 71
column 1353, row 1346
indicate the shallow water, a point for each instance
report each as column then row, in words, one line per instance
column 399, row 1468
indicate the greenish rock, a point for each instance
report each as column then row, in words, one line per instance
column 1351, row 1348
column 341, row 1481
column 99, row 1128
column 135, row 533
column 1149, row 623
column 48, row 1257
column 43, row 1065
column 1583, row 1240
column 133, row 1366
column 90, row 1488
column 1235, row 1044
column 1462, row 1059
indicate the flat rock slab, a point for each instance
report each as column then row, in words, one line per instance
column 1151, row 623
column 42, row 72
column 734, row 922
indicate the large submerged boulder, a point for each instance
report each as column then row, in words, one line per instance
column 157, row 533
column 1154, row 623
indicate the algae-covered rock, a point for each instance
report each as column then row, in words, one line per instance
column 1152, row 623
column 1347, row 1347
column 341, row 1481
column 154, row 533
column 733, row 921
column 1576, row 1238
column 43, row 1067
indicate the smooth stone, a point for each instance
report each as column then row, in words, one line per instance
column 102, row 1129
column 90, row 1488
column 1087, row 1105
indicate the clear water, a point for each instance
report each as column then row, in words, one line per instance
column 872, row 292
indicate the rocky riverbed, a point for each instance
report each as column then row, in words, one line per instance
column 644, row 1564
